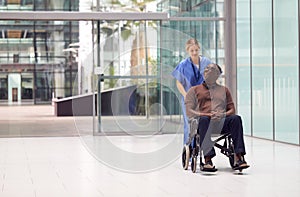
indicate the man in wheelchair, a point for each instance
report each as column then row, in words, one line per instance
column 213, row 106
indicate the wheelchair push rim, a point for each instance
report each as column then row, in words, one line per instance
column 185, row 157
column 194, row 164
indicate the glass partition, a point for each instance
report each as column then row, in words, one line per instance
column 262, row 82
column 124, row 66
column 193, row 8
column 134, row 63
column 130, row 80
column 40, row 48
column 268, row 68
column 244, row 100
column 286, row 72
column 173, row 38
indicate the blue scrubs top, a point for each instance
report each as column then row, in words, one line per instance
column 188, row 74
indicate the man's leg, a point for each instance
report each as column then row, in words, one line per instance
column 234, row 125
column 205, row 137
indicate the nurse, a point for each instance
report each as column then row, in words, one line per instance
column 188, row 73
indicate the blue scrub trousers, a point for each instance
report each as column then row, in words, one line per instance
column 186, row 128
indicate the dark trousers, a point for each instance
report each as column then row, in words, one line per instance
column 231, row 124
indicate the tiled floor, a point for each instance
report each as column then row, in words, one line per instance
column 70, row 165
column 65, row 167
column 34, row 121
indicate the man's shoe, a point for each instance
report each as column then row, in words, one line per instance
column 240, row 165
column 208, row 167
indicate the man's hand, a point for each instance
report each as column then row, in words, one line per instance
column 217, row 115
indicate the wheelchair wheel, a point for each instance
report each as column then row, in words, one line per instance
column 194, row 164
column 185, row 158
column 231, row 160
column 231, row 156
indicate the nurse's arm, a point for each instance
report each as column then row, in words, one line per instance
column 181, row 88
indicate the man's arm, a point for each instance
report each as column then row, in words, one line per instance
column 230, row 108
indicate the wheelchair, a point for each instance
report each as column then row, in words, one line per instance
column 191, row 149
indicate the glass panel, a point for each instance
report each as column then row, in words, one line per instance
column 209, row 34
column 173, row 38
column 211, row 40
column 243, row 64
column 132, row 109
column 3, row 87
column 27, row 85
column 43, row 86
column 286, row 77
column 44, row 50
column 193, row 8
column 40, row 5
column 130, row 97
column 262, row 69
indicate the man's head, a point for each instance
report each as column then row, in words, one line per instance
column 212, row 73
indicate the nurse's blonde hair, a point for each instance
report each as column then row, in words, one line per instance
column 190, row 43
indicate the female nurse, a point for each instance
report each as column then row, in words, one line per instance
column 188, row 73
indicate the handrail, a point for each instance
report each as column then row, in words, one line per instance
column 84, row 16
column 176, row 18
column 75, row 16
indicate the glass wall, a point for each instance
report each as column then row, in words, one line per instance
column 262, row 80
column 286, row 71
column 192, row 8
column 41, row 49
column 175, row 33
column 130, row 81
column 57, row 59
column 243, row 29
column 268, row 68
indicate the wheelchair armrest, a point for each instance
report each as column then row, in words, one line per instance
column 193, row 119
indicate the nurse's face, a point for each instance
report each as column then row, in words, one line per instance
column 194, row 52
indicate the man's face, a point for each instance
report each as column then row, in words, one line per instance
column 211, row 73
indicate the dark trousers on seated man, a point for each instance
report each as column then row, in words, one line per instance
column 231, row 124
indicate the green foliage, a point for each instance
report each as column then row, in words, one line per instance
column 125, row 33
column 112, row 82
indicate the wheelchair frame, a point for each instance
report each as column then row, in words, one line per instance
column 192, row 148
